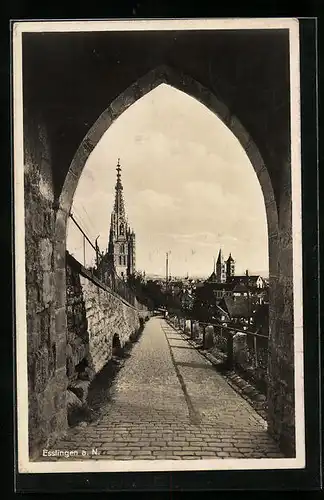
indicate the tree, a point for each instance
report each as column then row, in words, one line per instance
column 261, row 318
column 154, row 292
column 204, row 304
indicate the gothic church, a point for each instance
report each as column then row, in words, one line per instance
column 120, row 255
column 224, row 270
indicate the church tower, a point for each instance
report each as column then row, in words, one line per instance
column 220, row 268
column 230, row 267
column 121, row 245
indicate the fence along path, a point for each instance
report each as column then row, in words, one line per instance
column 111, row 279
column 241, row 350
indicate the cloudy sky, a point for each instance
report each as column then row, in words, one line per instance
column 189, row 188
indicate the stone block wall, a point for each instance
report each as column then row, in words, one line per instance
column 107, row 316
column 281, row 387
column 95, row 315
column 77, row 348
column 45, row 348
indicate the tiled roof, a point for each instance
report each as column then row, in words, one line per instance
column 240, row 287
column 238, row 307
column 212, row 286
column 244, row 277
column 222, row 310
column 212, row 277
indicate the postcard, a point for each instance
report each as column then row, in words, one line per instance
column 158, row 262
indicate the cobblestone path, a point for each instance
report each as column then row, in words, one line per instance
column 168, row 402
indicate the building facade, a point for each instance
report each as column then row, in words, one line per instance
column 224, row 270
column 251, row 281
column 121, row 244
column 230, row 267
column 220, row 268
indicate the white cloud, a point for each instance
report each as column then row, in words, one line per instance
column 187, row 184
column 150, row 199
column 210, row 193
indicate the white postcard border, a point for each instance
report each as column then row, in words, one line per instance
column 24, row 464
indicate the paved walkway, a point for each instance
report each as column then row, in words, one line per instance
column 168, row 402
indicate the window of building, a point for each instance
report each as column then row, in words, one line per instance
column 120, row 260
column 121, row 229
column 122, row 249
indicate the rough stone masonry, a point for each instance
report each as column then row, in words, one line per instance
column 53, row 347
column 95, row 315
column 96, row 318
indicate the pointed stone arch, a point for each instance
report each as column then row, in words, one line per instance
column 187, row 84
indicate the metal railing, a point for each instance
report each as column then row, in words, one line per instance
column 85, row 239
column 241, row 350
column 107, row 275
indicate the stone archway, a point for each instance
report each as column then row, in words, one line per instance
column 184, row 83
column 165, row 74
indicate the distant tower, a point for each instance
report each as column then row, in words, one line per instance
column 247, row 278
column 220, row 268
column 213, row 278
column 121, row 245
column 230, row 267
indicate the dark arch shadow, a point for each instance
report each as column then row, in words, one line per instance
column 116, row 345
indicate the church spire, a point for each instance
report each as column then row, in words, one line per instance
column 121, row 245
column 220, row 257
column 118, row 168
column 220, row 267
column 230, row 258
column 119, row 201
